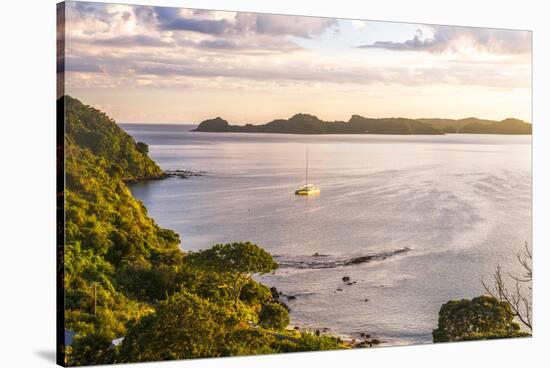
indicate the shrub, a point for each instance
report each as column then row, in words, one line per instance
column 274, row 316
column 481, row 318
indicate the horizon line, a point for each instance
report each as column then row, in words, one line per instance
column 325, row 121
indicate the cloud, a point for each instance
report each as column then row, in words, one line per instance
column 206, row 26
column 447, row 38
column 305, row 27
column 242, row 23
column 136, row 46
column 218, row 44
column 183, row 70
column 132, row 41
column 128, row 26
column 82, row 65
column 84, row 10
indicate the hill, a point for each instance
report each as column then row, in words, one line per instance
column 507, row 126
column 480, row 126
column 123, row 276
column 311, row 124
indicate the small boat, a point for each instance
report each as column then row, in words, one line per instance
column 308, row 189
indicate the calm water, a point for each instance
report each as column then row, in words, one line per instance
column 455, row 204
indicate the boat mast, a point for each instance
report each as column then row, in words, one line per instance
column 307, row 164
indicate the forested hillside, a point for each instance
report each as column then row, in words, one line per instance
column 480, row 126
column 311, row 124
column 124, row 276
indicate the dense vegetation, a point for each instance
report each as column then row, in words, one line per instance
column 498, row 314
column 480, row 126
column 481, row 318
column 310, row 124
column 124, row 276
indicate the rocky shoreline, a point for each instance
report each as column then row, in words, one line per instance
column 364, row 340
column 319, row 261
column 181, row 174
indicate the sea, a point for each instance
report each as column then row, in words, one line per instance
column 413, row 221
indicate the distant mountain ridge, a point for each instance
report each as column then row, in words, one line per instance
column 311, row 124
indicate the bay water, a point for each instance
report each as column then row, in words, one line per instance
column 413, row 221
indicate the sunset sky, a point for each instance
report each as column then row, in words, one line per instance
column 147, row 64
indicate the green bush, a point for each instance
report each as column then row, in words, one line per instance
column 237, row 261
column 274, row 316
column 184, row 326
column 481, row 318
column 124, row 276
column 255, row 293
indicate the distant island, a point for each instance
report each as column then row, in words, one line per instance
column 311, row 124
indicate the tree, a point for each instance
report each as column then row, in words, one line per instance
column 516, row 297
column 92, row 349
column 142, row 147
column 311, row 342
column 254, row 293
column 481, row 318
column 237, row 261
column 184, row 326
column 274, row 316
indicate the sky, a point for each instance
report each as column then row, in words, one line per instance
column 144, row 64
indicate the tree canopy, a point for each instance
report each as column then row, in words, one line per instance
column 238, row 261
column 311, row 124
column 182, row 327
column 481, row 318
column 124, row 276
column 274, row 316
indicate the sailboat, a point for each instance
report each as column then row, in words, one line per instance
column 307, row 189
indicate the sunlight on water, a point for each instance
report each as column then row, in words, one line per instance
column 426, row 216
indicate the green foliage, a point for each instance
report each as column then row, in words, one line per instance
column 236, row 261
column 92, row 129
column 274, row 316
column 184, row 326
column 481, row 318
column 124, row 276
column 255, row 293
column 150, row 282
column 449, row 129
column 143, row 148
column 92, row 349
column 507, row 126
column 310, row 124
column 309, row 342
column 246, row 341
column 107, row 232
column 241, row 257
column 214, row 125
column 390, row 126
column 480, row 126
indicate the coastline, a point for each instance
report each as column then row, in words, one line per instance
column 347, row 342
column 379, row 288
column 310, row 124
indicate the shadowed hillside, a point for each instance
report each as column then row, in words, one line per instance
column 480, row 126
column 123, row 276
column 311, row 124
